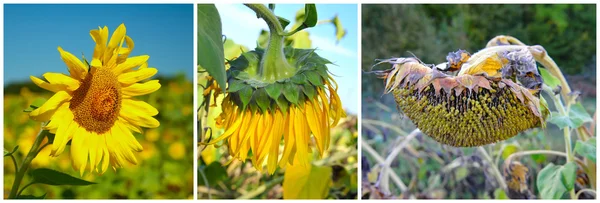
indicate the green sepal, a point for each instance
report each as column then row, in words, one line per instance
column 262, row 99
column 283, row 104
column 235, row 85
column 245, row 95
column 309, row 91
column 274, row 90
column 299, row 79
column 314, row 78
column 291, row 92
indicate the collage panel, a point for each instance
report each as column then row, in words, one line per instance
column 478, row 101
column 88, row 115
column 285, row 126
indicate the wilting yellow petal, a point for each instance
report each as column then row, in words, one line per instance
column 289, row 138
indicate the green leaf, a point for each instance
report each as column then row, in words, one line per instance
column 214, row 172
column 578, row 115
column 568, row 175
column 52, row 177
column 310, row 15
column 291, row 93
column 551, row 181
column 314, row 78
column 262, row 99
column 245, row 96
column 587, row 149
column 30, row 197
column 7, row 153
column 235, row 85
column 340, row 32
column 560, row 121
column 37, row 102
column 309, row 18
column 210, row 45
column 274, row 90
column 548, row 78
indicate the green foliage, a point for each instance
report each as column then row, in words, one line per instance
column 577, row 117
column 53, row 177
column 587, row 149
column 548, row 78
column 210, row 45
column 554, row 180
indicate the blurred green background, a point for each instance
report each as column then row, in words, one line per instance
column 164, row 169
column 567, row 32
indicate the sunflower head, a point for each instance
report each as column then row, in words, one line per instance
column 259, row 111
column 94, row 106
column 473, row 108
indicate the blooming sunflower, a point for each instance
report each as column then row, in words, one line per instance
column 257, row 115
column 93, row 106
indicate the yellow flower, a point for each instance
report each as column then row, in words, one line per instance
column 94, row 108
column 261, row 132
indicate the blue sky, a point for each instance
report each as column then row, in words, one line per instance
column 32, row 34
column 241, row 25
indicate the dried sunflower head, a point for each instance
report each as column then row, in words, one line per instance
column 478, row 106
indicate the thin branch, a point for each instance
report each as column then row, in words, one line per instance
column 380, row 160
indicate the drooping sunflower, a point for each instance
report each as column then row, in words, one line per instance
column 493, row 97
column 259, row 112
column 94, row 106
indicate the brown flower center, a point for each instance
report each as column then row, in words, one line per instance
column 96, row 103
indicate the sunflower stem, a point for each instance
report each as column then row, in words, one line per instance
column 494, row 167
column 273, row 65
column 564, row 111
column 33, row 152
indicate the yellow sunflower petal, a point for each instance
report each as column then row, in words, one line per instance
column 64, row 133
column 139, row 106
column 62, row 79
column 43, row 84
column 136, row 118
column 278, row 123
column 125, row 51
column 44, row 112
column 301, row 128
column 77, row 69
column 128, row 137
column 58, row 117
column 136, row 76
column 289, row 138
column 130, row 63
column 138, row 89
column 79, row 151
